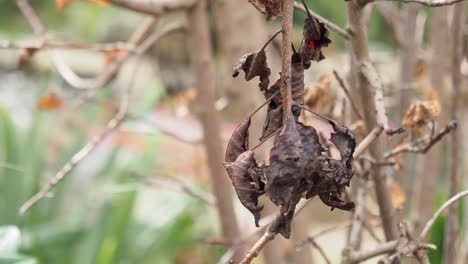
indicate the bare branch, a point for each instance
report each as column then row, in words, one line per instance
column 258, row 246
column 112, row 125
column 431, row 3
column 38, row 45
column 342, row 32
column 367, row 141
column 348, row 95
column 155, row 7
column 415, row 147
column 439, row 211
column 320, row 250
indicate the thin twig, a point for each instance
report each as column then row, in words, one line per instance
column 439, row 211
column 348, row 95
column 431, row 3
column 40, row 44
column 369, row 139
column 112, row 125
column 181, row 185
column 342, row 32
column 258, row 246
column 320, row 250
column 414, row 146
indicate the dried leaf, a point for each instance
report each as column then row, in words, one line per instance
column 422, row 112
column 319, row 96
column 273, row 121
column 344, row 141
column 270, row 8
column 254, row 64
column 49, row 102
column 282, row 224
column 239, row 142
column 244, row 177
column 297, row 78
column 283, row 171
column 100, row 2
column 397, row 194
column 315, row 36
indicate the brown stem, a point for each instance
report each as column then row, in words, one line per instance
column 281, row 30
column 360, row 51
column 203, row 69
column 286, row 24
column 348, row 95
column 453, row 226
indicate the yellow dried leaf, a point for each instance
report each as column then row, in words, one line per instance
column 319, row 96
column 421, row 112
column 397, row 194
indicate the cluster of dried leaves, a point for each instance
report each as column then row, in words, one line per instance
column 298, row 166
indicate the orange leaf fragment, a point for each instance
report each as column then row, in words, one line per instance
column 62, row 4
column 110, row 56
column 397, row 194
column 51, row 101
column 319, row 96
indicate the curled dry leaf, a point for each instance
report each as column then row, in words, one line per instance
column 344, row 140
column 319, row 96
column 285, row 159
column 315, row 36
column 254, row 64
column 273, row 121
column 297, row 78
column 244, row 173
column 270, row 8
column 239, row 141
column 422, row 112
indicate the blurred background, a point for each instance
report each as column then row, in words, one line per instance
column 143, row 195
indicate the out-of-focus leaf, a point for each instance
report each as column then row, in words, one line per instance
column 421, row 112
column 397, row 194
column 271, row 8
column 319, row 96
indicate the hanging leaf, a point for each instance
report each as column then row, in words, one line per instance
column 422, row 112
column 254, row 64
column 344, row 141
column 239, row 142
column 273, row 121
column 319, row 96
column 285, row 158
column 270, row 8
column 244, row 176
column 315, row 36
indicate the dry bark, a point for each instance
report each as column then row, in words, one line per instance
column 453, row 225
column 360, row 50
column 204, row 74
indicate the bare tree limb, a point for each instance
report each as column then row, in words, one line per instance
column 368, row 140
column 369, row 86
column 39, row 44
column 431, row 3
column 340, row 31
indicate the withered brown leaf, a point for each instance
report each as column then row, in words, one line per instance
column 344, row 140
column 254, row 64
column 284, row 168
column 297, row 78
column 239, row 141
column 271, row 8
column 244, row 176
column 273, row 121
column 315, row 36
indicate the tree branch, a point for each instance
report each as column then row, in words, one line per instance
column 155, row 7
column 431, row 3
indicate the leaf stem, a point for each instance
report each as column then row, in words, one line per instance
column 281, row 30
